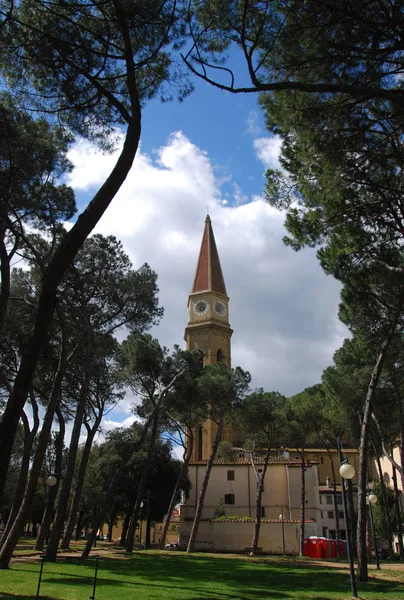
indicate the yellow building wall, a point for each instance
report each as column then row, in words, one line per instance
column 281, row 491
column 230, row 536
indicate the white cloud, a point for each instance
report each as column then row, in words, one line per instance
column 253, row 123
column 283, row 309
column 268, row 150
column 82, row 155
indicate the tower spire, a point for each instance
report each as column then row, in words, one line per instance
column 209, row 276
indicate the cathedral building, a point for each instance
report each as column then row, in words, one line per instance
column 232, row 484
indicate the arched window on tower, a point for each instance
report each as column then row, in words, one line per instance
column 219, row 356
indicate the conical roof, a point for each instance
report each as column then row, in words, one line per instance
column 209, row 276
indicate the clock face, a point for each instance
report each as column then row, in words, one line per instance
column 219, row 308
column 200, row 307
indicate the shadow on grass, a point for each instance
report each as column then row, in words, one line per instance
column 201, row 577
column 249, row 578
column 4, row 596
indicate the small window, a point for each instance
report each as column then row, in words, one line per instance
column 333, row 534
column 330, row 514
column 342, row 534
column 219, row 356
column 321, row 460
column 230, row 475
column 263, row 512
column 339, row 499
column 321, row 500
column 325, row 530
column 340, row 514
column 329, row 500
column 229, row 499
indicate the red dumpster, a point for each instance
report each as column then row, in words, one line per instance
column 332, row 548
column 312, row 547
column 323, row 547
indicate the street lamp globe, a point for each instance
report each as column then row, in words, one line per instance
column 51, row 481
column 281, row 517
column 347, row 471
column 372, row 498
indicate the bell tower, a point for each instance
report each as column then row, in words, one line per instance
column 208, row 326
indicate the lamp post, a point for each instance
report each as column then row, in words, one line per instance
column 143, row 502
column 51, row 481
column 347, row 471
column 370, row 500
column 283, row 531
column 140, row 532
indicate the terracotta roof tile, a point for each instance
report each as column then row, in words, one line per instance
column 209, row 276
column 273, row 460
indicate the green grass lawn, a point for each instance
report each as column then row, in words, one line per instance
column 156, row 575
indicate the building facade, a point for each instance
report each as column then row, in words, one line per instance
column 232, row 484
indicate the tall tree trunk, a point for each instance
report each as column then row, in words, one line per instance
column 336, row 506
column 79, row 522
column 125, row 527
column 384, row 504
column 68, row 473
column 398, row 513
column 4, row 265
column 60, row 262
column 180, row 479
column 401, row 424
column 52, row 491
column 26, row 457
column 71, row 523
column 204, row 487
column 142, row 483
column 54, row 400
column 147, row 540
column 258, row 500
column 362, row 573
column 111, row 526
column 352, row 517
column 302, row 503
column 100, row 515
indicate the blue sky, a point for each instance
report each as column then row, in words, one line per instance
column 212, row 150
column 221, row 123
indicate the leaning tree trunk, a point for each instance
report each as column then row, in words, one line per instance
column 174, row 496
column 54, row 400
column 26, row 457
column 53, row 491
column 68, row 473
column 64, row 256
column 204, row 487
column 362, row 573
column 80, row 481
column 398, row 513
column 258, row 500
